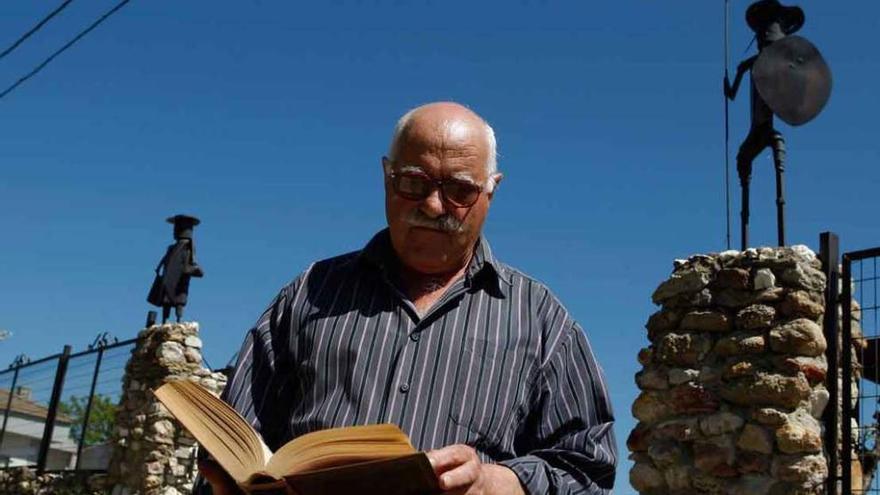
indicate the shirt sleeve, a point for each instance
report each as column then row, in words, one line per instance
column 567, row 439
column 256, row 386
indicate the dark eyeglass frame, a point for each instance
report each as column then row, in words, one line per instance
column 437, row 184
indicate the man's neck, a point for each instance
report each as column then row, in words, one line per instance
column 424, row 289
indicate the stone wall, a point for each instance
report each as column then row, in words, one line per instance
column 24, row 481
column 732, row 385
column 152, row 455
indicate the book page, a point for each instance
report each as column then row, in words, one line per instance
column 217, row 427
column 339, row 446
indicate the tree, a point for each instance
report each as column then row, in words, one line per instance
column 101, row 418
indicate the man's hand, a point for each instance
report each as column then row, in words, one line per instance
column 459, row 471
column 220, row 481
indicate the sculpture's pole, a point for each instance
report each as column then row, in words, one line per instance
column 778, row 144
column 745, row 178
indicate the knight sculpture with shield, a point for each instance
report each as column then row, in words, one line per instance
column 790, row 79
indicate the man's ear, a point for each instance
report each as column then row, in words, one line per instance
column 496, row 178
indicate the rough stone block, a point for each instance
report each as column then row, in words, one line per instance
column 752, row 463
column 645, row 356
column 801, row 433
column 678, row 479
column 706, row 321
column 768, row 416
column 800, row 337
column 677, row 376
column 662, row 321
column 766, row 389
column 639, row 438
column 715, row 456
column 681, row 282
column 665, row 453
column 814, row 368
column 731, row 278
column 754, row 317
column 809, row 470
column 650, row 407
column 751, row 485
column 646, row 478
column 720, row 423
column 739, row 343
column 681, row 430
column 755, row 439
column 693, row 399
column 652, row 379
column 803, row 277
column 764, row 279
column 683, row 349
column 804, row 304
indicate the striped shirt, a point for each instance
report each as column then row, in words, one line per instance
column 497, row 363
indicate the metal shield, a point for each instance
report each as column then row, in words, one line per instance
column 793, row 78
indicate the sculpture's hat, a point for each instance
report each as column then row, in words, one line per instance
column 184, row 221
column 183, row 225
column 764, row 12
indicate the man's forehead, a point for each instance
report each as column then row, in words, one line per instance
column 444, row 134
column 459, row 160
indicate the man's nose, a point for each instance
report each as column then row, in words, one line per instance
column 433, row 206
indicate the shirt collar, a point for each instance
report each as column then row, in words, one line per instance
column 379, row 253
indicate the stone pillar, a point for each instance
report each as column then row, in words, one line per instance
column 732, row 385
column 152, row 455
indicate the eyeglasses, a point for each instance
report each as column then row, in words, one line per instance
column 416, row 186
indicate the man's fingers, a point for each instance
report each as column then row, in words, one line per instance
column 456, row 466
column 449, row 457
column 460, row 477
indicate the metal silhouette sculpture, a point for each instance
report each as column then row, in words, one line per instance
column 171, row 285
column 789, row 79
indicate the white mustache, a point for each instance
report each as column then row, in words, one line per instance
column 445, row 223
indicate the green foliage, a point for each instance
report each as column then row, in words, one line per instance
column 101, row 418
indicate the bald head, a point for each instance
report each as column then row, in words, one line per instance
column 446, row 123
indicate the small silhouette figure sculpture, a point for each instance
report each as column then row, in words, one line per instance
column 789, row 79
column 171, row 285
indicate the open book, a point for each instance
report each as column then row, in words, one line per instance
column 358, row 459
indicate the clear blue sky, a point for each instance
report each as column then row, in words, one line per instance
column 268, row 121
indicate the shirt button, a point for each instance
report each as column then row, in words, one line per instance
column 414, row 336
column 404, row 388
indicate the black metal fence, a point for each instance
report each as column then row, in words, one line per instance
column 853, row 337
column 860, row 275
column 58, row 411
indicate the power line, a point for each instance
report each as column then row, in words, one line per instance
column 63, row 48
column 35, row 29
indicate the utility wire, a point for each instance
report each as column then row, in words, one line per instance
column 63, row 48
column 35, row 28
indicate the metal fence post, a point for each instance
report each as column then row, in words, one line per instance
column 8, row 405
column 829, row 254
column 53, row 410
column 85, row 424
column 846, row 385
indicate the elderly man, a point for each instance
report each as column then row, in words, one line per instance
column 478, row 363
